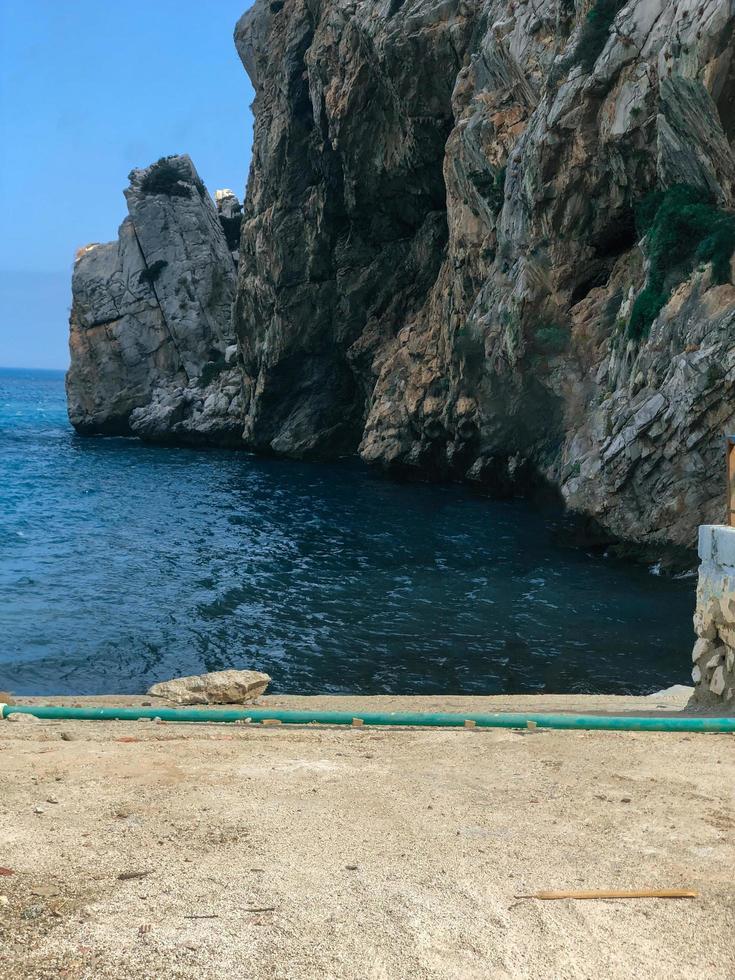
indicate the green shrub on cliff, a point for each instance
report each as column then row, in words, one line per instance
column 591, row 40
column 550, row 338
column 153, row 271
column 212, row 370
column 595, row 32
column 491, row 186
column 681, row 226
column 498, row 190
column 164, row 177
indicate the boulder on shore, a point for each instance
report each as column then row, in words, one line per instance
column 219, row 687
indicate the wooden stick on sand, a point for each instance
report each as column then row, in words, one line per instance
column 637, row 893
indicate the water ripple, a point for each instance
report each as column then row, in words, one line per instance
column 122, row 564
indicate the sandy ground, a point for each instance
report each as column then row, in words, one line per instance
column 364, row 853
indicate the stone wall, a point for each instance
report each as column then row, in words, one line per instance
column 714, row 621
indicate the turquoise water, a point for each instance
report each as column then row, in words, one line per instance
column 122, row 564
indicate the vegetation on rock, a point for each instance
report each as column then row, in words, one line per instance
column 210, row 371
column 681, row 226
column 595, row 32
column 153, row 271
column 550, row 338
column 164, row 177
column 491, row 186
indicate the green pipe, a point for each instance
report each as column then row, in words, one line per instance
column 403, row 718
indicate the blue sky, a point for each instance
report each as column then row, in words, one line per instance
column 90, row 89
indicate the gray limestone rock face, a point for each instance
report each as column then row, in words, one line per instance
column 439, row 252
column 344, row 223
column 151, row 319
column 438, row 257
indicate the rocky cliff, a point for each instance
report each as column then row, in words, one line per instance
column 153, row 352
column 492, row 241
column 483, row 240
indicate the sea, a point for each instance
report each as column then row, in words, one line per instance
column 123, row 563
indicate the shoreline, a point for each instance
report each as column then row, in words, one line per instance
column 578, row 531
column 672, row 700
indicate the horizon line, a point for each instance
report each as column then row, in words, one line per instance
column 26, row 367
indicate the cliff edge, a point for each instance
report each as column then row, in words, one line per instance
column 483, row 240
column 492, row 241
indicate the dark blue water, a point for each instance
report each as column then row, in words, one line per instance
column 122, row 564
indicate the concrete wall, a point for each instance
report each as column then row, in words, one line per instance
column 714, row 620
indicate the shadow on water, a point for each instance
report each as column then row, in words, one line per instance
column 122, row 563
